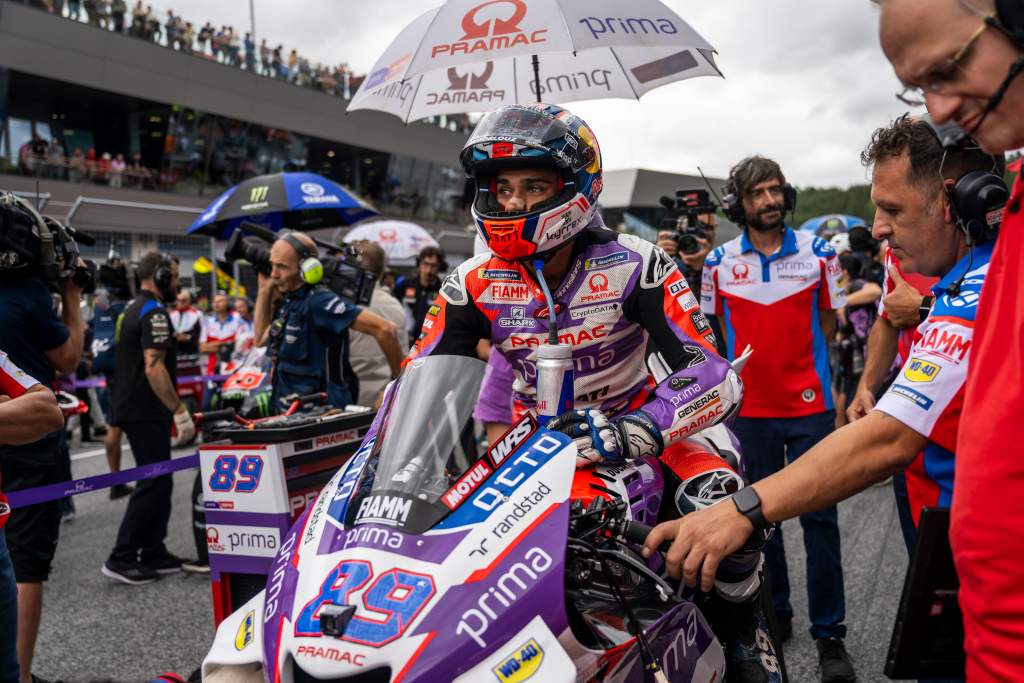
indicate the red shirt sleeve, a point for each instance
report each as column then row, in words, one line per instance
column 13, row 380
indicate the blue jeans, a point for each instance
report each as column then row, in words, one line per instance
column 767, row 444
column 8, row 617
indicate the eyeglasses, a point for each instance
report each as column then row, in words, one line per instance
column 938, row 78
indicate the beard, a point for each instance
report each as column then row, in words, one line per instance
column 760, row 225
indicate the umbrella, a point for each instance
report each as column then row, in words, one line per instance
column 471, row 56
column 401, row 240
column 297, row 201
column 831, row 224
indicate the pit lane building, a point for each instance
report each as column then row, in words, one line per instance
column 195, row 127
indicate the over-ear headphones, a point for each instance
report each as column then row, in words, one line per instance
column 977, row 198
column 732, row 203
column 310, row 267
column 163, row 276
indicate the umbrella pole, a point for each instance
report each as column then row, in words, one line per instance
column 536, row 77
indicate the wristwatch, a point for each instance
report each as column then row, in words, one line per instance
column 926, row 307
column 749, row 505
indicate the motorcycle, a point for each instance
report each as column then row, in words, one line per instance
column 420, row 561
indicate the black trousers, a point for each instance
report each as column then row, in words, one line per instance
column 144, row 527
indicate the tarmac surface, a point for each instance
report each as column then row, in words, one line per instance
column 94, row 628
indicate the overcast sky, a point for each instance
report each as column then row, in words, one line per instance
column 805, row 81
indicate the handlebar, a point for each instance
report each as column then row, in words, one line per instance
column 637, row 532
column 214, row 415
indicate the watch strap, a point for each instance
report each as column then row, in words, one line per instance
column 926, row 307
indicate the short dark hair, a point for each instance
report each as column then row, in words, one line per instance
column 752, row 171
column 151, row 262
column 372, row 256
column 431, row 250
column 915, row 138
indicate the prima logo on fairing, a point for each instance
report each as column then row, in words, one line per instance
column 276, row 579
column 502, row 593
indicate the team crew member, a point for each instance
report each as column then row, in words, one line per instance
column 538, row 176
column 921, row 212
column 28, row 412
column 40, row 342
column 187, row 323
column 145, row 402
column 964, row 60
column 418, row 293
column 777, row 291
column 220, row 330
column 306, row 328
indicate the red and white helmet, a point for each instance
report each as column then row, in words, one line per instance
column 531, row 136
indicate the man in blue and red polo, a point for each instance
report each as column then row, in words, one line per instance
column 776, row 291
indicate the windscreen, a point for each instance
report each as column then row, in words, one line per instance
column 425, row 443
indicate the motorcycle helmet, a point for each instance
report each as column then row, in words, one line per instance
column 531, row 136
column 20, row 236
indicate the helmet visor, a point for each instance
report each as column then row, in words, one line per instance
column 535, row 129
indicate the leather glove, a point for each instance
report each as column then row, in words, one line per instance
column 599, row 439
column 184, row 427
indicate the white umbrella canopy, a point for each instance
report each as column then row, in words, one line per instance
column 401, row 240
column 470, row 56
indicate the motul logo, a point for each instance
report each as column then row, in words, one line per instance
column 466, row 484
column 486, row 34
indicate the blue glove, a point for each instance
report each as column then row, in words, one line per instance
column 600, row 440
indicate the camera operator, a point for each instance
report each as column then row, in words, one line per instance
column 964, row 60
column 305, row 327
column 28, row 412
column 690, row 241
column 145, row 401
column 41, row 343
column 419, row 292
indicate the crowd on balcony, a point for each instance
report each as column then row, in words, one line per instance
column 40, row 158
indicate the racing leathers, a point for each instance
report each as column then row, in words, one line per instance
column 618, row 292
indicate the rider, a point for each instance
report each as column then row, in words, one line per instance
column 538, row 175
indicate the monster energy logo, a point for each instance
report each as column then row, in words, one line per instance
column 259, row 193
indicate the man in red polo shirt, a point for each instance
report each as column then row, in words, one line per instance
column 28, row 412
column 777, row 291
column 964, row 60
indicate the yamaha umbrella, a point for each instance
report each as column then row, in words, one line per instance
column 469, row 55
column 294, row 201
column 831, row 223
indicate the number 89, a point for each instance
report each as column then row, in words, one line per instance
column 248, row 472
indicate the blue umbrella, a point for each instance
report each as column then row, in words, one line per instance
column 831, row 223
column 294, row 201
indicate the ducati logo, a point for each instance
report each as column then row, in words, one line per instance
column 598, row 282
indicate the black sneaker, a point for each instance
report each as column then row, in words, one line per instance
column 132, row 573
column 120, row 491
column 785, row 628
column 836, row 665
column 195, row 567
column 168, row 564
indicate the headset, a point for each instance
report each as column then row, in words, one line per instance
column 310, row 267
column 1009, row 20
column 732, row 203
column 163, row 276
column 977, row 197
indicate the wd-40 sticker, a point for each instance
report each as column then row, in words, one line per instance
column 340, row 498
column 515, row 469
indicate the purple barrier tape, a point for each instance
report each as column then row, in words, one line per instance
column 187, row 379
column 43, row 494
